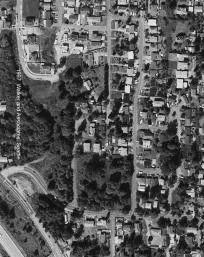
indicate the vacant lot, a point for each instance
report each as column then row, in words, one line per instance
column 47, row 40
column 73, row 61
column 26, row 184
column 30, row 8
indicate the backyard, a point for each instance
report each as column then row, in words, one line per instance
column 31, row 8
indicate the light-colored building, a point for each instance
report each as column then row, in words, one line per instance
column 181, row 74
column 182, row 66
column 2, row 107
column 131, row 55
column 123, row 2
column 3, row 160
column 127, row 89
column 198, row 9
column 152, row 22
column 157, row 240
column 96, row 148
column 89, row 223
column 146, row 143
column 87, row 147
column 93, row 19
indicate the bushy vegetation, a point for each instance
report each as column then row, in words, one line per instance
column 51, row 214
column 168, row 147
column 89, row 247
column 21, row 227
column 45, row 128
column 105, row 183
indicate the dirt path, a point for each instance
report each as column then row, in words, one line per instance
column 75, row 183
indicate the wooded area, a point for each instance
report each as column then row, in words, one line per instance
column 44, row 129
column 105, row 183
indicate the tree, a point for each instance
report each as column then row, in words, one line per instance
column 4, row 208
column 12, row 213
column 183, row 222
column 197, row 43
column 146, row 67
column 164, row 222
column 115, row 177
column 82, row 126
column 50, row 209
column 77, row 214
column 173, row 4
column 63, row 61
column 155, row 191
column 194, row 222
column 79, row 231
column 172, row 128
column 196, row 154
column 182, row 245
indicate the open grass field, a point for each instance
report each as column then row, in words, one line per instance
column 34, row 67
column 30, row 8
column 73, row 61
column 26, row 184
column 7, row 3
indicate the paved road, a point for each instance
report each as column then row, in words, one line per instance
column 26, row 70
column 9, row 244
column 28, row 171
column 138, row 88
column 45, row 77
column 75, row 183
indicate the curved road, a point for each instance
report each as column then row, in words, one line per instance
column 26, row 170
column 26, row 70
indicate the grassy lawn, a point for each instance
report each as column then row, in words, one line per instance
column 34, row 67
column 46, row 45
column 31, row 8
column 73, row 61
column 41, row 91
column 25, row 233
column 175, row 196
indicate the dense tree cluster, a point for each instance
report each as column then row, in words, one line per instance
column 163, row 222
column 5, row 210
column 173, row 4
column 89, row 247
column 105, row 183
column 73, row 81
column 51, row 214
column 168, row 147
column 43, row 128
column 132, row 243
